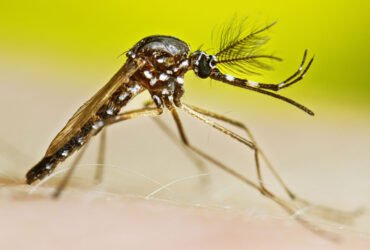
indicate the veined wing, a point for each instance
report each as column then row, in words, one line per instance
column 91, row 107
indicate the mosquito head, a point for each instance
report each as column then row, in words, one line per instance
column 202, row 63
column 204, row 66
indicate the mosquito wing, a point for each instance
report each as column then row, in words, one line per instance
column 91, row 107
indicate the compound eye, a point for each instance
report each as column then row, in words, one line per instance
column 203, row 68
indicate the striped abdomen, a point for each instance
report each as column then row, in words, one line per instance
column 81, row 136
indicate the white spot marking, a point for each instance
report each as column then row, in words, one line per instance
column 153, row 81
column 161, row 60
column 98, row 124
column 163, row 77
column 110, row 111
column 131, row 54
column 48, row 166
column 65, row 153
column 184, row 64
column 169, row 72
column 230, row 78
column 148, row 75
column 123, row 96
column 165, row 92
column 180, row 80
column 81, row 140
column 253, row 84
column 281, row 84
column 134, row 89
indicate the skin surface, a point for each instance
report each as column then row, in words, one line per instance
column 132, row 209
column 80, row 220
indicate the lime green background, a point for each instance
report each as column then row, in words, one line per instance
column 87, row 36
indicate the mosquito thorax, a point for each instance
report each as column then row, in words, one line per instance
column 202, row 63
column 166, row 62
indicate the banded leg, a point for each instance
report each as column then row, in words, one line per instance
column 287, row 206
column 322, row 211
column 246, row 142
column 257, row 148
column 120, row 117
column 151, row 112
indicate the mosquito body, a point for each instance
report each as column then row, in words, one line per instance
column 156, row 64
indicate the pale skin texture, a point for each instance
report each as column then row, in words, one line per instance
column 89, row 217
column 81, row 222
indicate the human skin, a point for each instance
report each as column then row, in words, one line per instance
column 81, row 220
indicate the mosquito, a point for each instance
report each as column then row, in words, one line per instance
column 157, row 64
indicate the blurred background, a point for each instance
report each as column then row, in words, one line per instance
column 55, row 55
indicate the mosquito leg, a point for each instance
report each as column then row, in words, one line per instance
column 287, row 206
column 224, row 130
column 101, row 157
column 322, row 211
column 134, row 114
column 69, row 173
column 192, row 156
column 204, row 155
column 250, row 135
column 180, row 128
